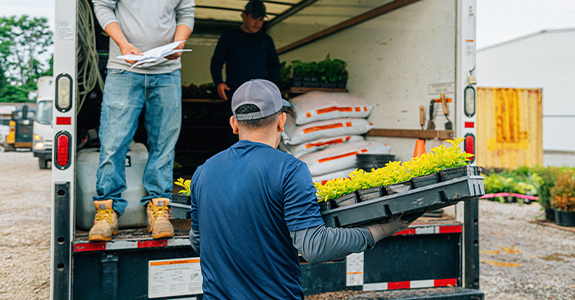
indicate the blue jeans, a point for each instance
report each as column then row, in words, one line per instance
column 125, row 95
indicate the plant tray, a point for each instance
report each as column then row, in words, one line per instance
column 424, row 199
column 370, row 194
column 426, row 180
column 344, row 200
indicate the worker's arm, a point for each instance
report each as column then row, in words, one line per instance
column 195, row 229
column 105, row 14
column 321, row 243
column 273, row 63
column 185, row 24
column 216, row 65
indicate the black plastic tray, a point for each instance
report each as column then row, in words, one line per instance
column 422, row 199
column 180, row 206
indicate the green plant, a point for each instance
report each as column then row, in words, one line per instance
column 548, row 180
column 185, row 184
column 563, row 193
column 298, row 68
column 285, row 75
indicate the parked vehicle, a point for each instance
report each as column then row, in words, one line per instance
column 20, row 129
column 42, row 130
column 400, row 55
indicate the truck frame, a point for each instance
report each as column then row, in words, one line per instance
column 401, row 54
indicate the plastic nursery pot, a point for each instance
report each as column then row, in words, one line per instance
column 453, row 173
column 564, row 218
column 397, row 188
column 367, row 162
column 323, row 205
column 370, row 194
column 311, row 82
column 550, row 214
column 342, row 84
column 426, row 180
column 181, row 199
column 344, row 200
column 297, row 82
column 329, row 85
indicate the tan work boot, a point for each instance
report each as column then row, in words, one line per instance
column 158, row 223
column 105, row 223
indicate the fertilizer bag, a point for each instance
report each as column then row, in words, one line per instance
column 320, row 144
column 319, row 106
column 340, row 156
column 294, row 135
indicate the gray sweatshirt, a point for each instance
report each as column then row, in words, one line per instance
column 146, row 24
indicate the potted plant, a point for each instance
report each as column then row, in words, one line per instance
column 285, row 76
column 298, row 72
column 183, row 196
column 337, row 192
column 563, row 198
column 310, row 74
column 548, row 180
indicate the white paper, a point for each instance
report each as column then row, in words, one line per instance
column 354, row 269
column 154, row 54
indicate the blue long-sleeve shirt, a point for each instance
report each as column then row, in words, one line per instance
column 246, row 56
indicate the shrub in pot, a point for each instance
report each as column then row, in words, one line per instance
column 563, row 198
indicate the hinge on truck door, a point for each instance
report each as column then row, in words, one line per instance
column 109, row 280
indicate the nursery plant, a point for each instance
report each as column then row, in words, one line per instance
column 563, row 193
column 185, row 184
column 438, row 158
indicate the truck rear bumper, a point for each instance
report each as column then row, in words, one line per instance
column 43, row 153
column 451, row 293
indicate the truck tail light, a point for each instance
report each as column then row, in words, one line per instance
column 63, row 92
column 469, row 145
column 63, row 150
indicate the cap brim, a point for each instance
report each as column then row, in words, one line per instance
column 286, row 103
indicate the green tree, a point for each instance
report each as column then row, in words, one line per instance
column 23, row 40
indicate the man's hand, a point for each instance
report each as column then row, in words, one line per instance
column 177, row 54
column 222, row 88
column 128, row 48
column 379, row 231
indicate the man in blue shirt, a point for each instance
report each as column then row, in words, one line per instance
column 255, row 207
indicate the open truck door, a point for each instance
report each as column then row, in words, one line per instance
column 402, row 54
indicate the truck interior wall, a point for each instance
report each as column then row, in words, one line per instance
column 391, row 61
column 196, row 64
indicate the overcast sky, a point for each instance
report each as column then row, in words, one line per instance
column 497, row 20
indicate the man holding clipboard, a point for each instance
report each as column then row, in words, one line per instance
column 135, row 26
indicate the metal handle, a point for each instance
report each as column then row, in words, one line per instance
column 421, row 116
column 444, row 103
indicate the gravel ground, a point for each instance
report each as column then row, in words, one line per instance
column 520, row 260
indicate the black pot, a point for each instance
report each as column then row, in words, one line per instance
column 550, row 214
column 181, row 199
column 323, row 205
column 310, row 82
column 426, row 180
column 453, row 173
column 367, row 162
column 342, row 84
column 370, row 194
column 397, row 188
column 564, row 218
column 344, row 200
column 297, row 82
column 329, row 85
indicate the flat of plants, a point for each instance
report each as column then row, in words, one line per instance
column 422, row 199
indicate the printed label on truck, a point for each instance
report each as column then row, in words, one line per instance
column 174, row 277
column 441, row 88
column 354, row 269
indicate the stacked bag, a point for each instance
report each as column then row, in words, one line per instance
column 326, row 132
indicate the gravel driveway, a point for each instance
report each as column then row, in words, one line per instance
column 520, row 260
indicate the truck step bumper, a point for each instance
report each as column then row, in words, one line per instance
column 450, row 293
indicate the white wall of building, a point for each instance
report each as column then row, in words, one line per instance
column 542, row 60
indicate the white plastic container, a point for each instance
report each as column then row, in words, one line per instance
column 87, row 163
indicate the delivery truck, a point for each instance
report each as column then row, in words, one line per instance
column 42, row 129
column 400, row 55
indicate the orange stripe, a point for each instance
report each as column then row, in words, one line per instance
column 336, row 141
column 354, row 273
column 333, row 108
column 336, row 157
column 308, row 115
column 175, row 262
column 323, row 127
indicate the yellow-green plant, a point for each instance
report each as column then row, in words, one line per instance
column 435, row 160
column 185, row 184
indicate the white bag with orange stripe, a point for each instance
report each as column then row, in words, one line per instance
column 320, row 144
column 294, row 135
column 340, row 156
column 329, row 176
column 318, row 106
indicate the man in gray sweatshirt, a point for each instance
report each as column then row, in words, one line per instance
column 254, row 207
column 135, row 26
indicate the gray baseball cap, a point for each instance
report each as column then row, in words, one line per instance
column 262, row 93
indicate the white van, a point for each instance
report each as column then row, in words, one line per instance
column 43, row 134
